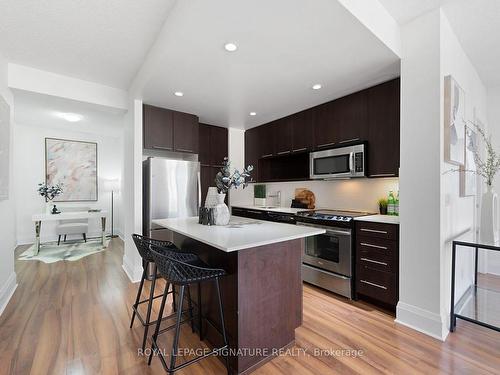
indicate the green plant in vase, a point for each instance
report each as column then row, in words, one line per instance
column 382, row 206
column 259, row 195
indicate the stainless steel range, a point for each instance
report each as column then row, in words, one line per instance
column 328, row 258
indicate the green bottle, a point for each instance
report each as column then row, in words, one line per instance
column 396, row 205
column 391, row 204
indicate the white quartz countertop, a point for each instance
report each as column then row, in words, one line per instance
column 286, row 210
column 384, row 219
column 241, row 233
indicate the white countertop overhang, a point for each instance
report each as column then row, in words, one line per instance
column 240, row 234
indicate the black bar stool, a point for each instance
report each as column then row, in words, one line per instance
column 182, row 274
column 143, row 245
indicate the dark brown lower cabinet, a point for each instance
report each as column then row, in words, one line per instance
column 377, row 263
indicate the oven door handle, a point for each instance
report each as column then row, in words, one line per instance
column 338, row 232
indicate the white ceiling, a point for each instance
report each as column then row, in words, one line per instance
column 476, row 24
column 404, row 11
column 103, row 41
column 285, row 46
column 40, row 110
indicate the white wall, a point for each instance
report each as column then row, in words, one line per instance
column 492, row 259
column 8, row 281
column 458, row 213
column 432, row 212
column 355, row 194
column 29, row 162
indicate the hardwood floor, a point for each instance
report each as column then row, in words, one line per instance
column 73, row 318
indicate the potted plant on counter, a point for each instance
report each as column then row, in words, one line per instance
column 225, row 180
column 382, row 206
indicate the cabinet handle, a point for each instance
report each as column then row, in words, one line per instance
column 266, row 156
column 373, row 231
column 374, row 261
column 375, row 246
column 383, row 175
column 299, row 149
column 350, row 140
column 326, row 144
column 183, row 150
column 283, row 152
column 254, row 212
column 373, row 284
column 162, row 148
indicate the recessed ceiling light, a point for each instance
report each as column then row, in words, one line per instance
column 253, row 113
column 317, row 86
column 71, row 117
column 230, row 47
column 178, row 93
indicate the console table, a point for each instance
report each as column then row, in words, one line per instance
column 479, row 305
column 74, row 215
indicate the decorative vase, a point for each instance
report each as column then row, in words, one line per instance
column 211, row 199
column 382, row 210
column 488, row 230
column 221, row 211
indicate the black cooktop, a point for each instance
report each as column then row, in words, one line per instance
column 329, row 217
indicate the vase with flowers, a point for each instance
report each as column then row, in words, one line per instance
column 225, row 180
column 487, row 167
column 49, row 193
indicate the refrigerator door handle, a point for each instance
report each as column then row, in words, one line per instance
column 199, row 189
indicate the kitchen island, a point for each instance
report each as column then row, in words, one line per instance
column 262, row 292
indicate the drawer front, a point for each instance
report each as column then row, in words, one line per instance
column 377, row 230
column 376, row 284
column 375, row 260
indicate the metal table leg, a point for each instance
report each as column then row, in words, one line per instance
column 103, row 236
column 38, row 226
column 453, row 320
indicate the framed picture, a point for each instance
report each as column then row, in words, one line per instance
column 454, row 122
column 468, row 177
column 4, row 148
column 73, row 165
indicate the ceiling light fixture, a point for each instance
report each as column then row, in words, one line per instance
column 71, row 117
column 178, row 93
column 253, row 113
column 230, row 47
column 317, row 86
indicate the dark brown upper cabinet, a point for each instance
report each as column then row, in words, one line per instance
column 164, row 129
column 325, row 128
column 266, row 139
column 350, row 117
column 185, row 132
column 302, row 126
column 282, row 136
column 213, row 145
column 252, row 151
column 218, row 145
column 158, row 127
column 384, row 129
column 204, row 144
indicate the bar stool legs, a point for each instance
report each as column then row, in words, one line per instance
column 158, row 323
column 223, row 325
column 150, row 306
column 138, row 298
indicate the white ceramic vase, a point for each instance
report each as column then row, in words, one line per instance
column 221, row 211
column 488, row 230
column 211, row 199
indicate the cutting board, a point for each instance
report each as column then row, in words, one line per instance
column 306, row 196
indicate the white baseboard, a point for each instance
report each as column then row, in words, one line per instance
column 7, row 291
column 421, row 320
column 133, row 272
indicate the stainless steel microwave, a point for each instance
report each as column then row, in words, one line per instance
column 341, row 162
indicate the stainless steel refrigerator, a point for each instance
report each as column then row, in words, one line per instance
column 171, row 189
